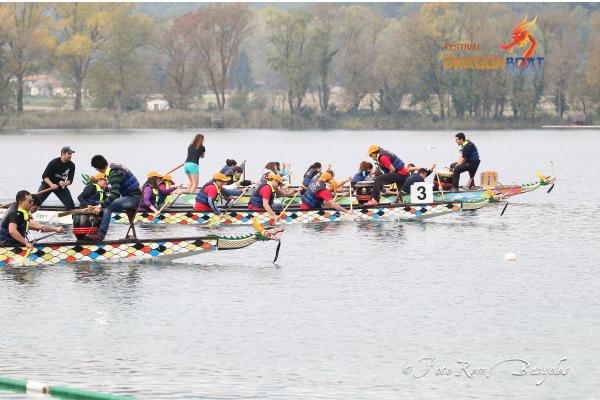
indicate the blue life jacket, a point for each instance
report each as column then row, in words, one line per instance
column 309, row 176
column 256, row 200
column 359, row 177
column 202, row 197
column 130, row 183
column 22, row 228
column 310, row 196
column 473, row 154
column 97, row 197
column 396, row 161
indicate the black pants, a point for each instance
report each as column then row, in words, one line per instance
column 387, row 179
column 64, row 195
column 470, row 166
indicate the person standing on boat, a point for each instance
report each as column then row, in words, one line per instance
column 124, row 194
column 58, row 175
column 196, row 151
column 311, row 173
column 153, row 196
column 94, row 192
column 318, row 195
column 393, row 168
column 16, row 223
column 468, row 161
column 210, row 194
column 263, row 197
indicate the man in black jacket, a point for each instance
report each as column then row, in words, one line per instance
column 58, row 175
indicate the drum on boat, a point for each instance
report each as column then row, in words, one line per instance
column 85, row 224
column 363, row 191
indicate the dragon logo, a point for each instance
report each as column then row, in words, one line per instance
column 521, row 37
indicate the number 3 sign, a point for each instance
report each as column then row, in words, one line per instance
column 421, row 192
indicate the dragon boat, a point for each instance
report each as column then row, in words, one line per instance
column 363, row 194
column 53, row 253
column 294, row 215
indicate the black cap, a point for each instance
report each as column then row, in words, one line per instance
column 36, row 200
column 66, row 149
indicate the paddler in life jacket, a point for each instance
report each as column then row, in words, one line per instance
column 263, row 197
column 124, row 194
column 94, row 192
column 17, row 222
column 468, row 161
column 210, row 194
column 167, row 182
column 230, row 189
column 393, row 168
column 311, row 173
column 318, row 195
column 365, row 173
column 153, row 196
column 416, row 177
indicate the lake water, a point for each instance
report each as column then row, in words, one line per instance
column 351, row 310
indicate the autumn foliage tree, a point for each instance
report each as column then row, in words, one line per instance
column 183, row 67
column 26, row 29
column 219, row 29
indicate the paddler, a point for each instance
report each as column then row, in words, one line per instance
column 318, row 195
column 393, row 168
column 94, row 192
column 167, row 182
column 230, row 189
column 263, row 197
column 416, row 177
column 365, row 173
column 468, row 161
column 153, row 196
column 210, row 194
column 58, row 175
column 17, row 222
column 311, row 173
column 124, row 194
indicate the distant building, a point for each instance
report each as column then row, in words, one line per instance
column 157, row 105
column 42, row 85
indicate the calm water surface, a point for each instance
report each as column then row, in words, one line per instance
column 351, row 310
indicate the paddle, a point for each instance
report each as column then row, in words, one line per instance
column 28, row 252
column 174, row 169
column 441, row 187
column 286, row 207
column 218, row 219
column 260, row 229
column 38, row 193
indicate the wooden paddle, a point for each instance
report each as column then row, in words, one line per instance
column 174, row 169
column 441, row 188
column 38, row 193
column 28, row 252
column 218, row 219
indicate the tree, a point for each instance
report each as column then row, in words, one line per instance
column 26, row 28
column 288, row 38
column 324, row 49
column 183, row 68
column 393, row 70
column 119, row 76
column 241, row 72
column 219, row 31
column 82, row 29
column 360, row 29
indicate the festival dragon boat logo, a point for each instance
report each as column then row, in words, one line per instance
column 525, row 65
column 522, row 37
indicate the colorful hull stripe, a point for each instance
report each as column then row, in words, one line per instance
column 74, row 252
column 244, row 217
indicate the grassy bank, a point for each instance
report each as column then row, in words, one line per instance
column 254, row 119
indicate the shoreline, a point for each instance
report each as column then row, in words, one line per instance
column 258, row 119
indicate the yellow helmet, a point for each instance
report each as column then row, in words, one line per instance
column 372, row 149
column 168, row 178
column 152, row 174
column 220, row 177
column 277, row 177
column 326, row 177
column 99, row 176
